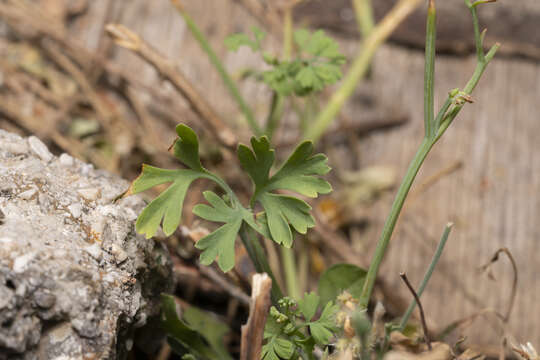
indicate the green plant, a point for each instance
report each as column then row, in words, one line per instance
column 434, row 126
column 282, row 213
column 316, row 65
column 286, row 332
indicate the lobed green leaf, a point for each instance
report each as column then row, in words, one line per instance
column 299, row 173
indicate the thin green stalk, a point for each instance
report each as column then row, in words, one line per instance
column 278, row 101
column 427, row 275
column 364, row 16
column 471, row 85
column 359, row 67
column 443, row 111
column 287, row 254
column 258, row 257
column 444, row 118
column 225, row 77
column 391, row 221
column 429, row 73
column 291, row 276
column 277, row 106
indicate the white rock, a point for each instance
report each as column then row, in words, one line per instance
column 86, row 168
column 14, row 148
column 75, row 209
column 28, row 194
column 119, row 254
column 90, row 194
column 22, row 261
column 40, row 149
column 94, row 250
column 66, row 160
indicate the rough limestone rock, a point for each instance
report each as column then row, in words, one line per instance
column 75, row 278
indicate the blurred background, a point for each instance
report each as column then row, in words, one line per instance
column 65, row 80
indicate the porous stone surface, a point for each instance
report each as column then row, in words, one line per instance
column 75, row 278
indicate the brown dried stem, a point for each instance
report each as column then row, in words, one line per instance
column 130, row 40
column 513, row 293
column 253, row 330
column 422, row 316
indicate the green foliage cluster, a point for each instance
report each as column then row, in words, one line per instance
column 317, row 63
column 286, row 329
column 300, row 173
column 293, row 330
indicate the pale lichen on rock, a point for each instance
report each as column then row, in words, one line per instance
column 75, row 278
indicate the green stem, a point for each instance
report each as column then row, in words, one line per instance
column 420, row 156
column 471, row 85
column 274, row 116
column 278, row 101
column 291, row 277
column 429, row 73
column 391, row 221
column 427, row 275
column 258, row 257
column 225, row 77
column 359, row 67
column 364, row 16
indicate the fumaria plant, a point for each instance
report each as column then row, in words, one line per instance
column 281, row 215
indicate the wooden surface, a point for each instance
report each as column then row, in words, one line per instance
column 514, row 23
column 493, row 199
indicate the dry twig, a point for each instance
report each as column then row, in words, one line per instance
column 252, row 331
column 422, row 316
column 128, row 39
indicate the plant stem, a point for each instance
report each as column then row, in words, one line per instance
column 278, row 101
column 274, row 116
column 225, row 77
column 360, row 67
column 429, row 72
column 258, row 257
column 427, row 275
column 364, row 16
column 291, row 277
column 427, row 144
column 391, row 221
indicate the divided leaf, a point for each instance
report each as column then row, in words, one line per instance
column 290, row 322
column 323, row 329
column 277, row 348
column 235, row 41
column 320, row 66
column 168, row 205
column 219, row 243
column 299, row 174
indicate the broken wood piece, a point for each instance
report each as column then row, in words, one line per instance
column 253, row 330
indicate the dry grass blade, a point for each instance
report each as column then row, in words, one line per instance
column 128, row 39
column 253, row 330
column 513, row 293
column 422, row 316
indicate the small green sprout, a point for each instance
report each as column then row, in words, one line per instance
column 286, row 329
column 318, row 62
